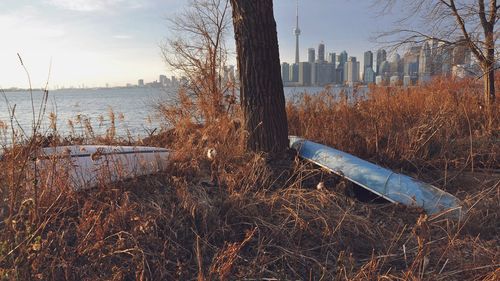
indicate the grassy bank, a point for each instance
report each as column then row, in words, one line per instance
column 245, row 216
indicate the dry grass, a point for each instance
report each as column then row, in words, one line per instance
column 243, row 216
column 434, row 126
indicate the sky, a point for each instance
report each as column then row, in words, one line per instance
column 71, row 43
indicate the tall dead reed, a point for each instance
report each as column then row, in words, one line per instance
column 234, row 215
column 436, row 126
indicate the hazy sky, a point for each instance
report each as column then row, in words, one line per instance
column 94, row 42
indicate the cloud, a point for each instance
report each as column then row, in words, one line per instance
column 94, row 5
column 122, row 36
column 28, row 23
column 83, row 5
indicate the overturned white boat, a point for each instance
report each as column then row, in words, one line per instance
column 394, row 187
column 85, row 166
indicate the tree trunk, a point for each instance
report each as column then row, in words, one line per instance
column 489, row 85
column 489, row 66
column 489, row 74
column 261, row 87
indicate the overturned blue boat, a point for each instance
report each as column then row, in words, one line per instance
column 394, row 187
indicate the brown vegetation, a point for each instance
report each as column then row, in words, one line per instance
column 240, row 216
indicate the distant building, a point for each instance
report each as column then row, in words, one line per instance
column 322, row 74
column 332, row 73
column 368, row 73
column 368, row 59
column 394, row 80
column 396, row 65
column 285, row 72
column 411, row 64
column 140, row 83
column 343, row 58
column 461, row 54
column 174, row 81
column 466, row 70
column 351, row 71
column 407, row 81
column 385, row 70
column 315, row 72
column 305, row 74
column 163, row 80
column 381, row 57
column 341, row 77
column 419, row 63
column 321, row 53
column 445, row 60
column 332, row 58
column 311, row 55
column 459, row 71
column 294, row 73
column 424, row 67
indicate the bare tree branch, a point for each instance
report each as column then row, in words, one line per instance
column 198, row 50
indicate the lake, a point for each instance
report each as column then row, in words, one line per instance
column 133, row 109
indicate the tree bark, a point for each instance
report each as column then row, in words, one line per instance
column 261, row 87
column 489, row 84
column 489, row 62
column 489, row 69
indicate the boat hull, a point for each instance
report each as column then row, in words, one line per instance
column 86, row 166
column 394, row 187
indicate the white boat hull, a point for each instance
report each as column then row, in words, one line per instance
column 394, row 187
column 86, row 166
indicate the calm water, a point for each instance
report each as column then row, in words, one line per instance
column 133, row 109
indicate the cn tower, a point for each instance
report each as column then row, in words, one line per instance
column 296, row 31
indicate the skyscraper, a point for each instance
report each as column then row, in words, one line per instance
column 341, row 77
column 461, row 54
column 396, row 65
column 410, row 65
column 305, row 74
column 446, row 59
column 296, row 31
column 368, row 59
column 381, row 57
column 351, row 70
column 343, row 57
column 163, row 80
column 424, row 67
column 294, row 72
column 332, row 58
column 368, row 75
column 332, row 62
column 285, row 72
column 385, row 69
column 311, row 56
column 321, row 53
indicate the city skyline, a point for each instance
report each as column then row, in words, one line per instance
column 95, row 42
column 418, row 65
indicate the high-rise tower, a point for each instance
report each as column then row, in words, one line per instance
column 321, row 53
column 311, row 55
column 424, row 63
column 381, row 57
column 296, row 31
column 368, row 73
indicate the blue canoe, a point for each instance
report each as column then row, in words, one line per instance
column 394, row 187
